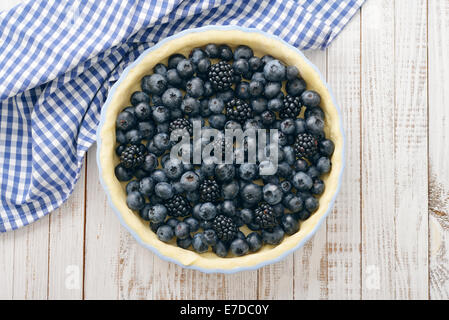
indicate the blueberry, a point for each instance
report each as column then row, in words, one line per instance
column 310, row 98
column 154, row 84
column 203, row 65
column 272, row 89
column 208, row 89
column 251, row 193
column 191, row 106
column 301, row 165
column 194, row 225
column 207, row 211
column 239, row 247
column 268, row 117
column 173, row 168
column 143, row 213
column 278, row 210
column 211, row 237
column 184, row 243
column 255, row 88
column 285, row 186
column 134, row 136
column 274, row 237
column 258, row 76
column 182, row 230
column 172, row 222
column 275, row 105
column 289, row 155
column 295, row 87
column 230, row 190
column 311, row 204
column 243, row 52
column 164, row 190
column 125, row 121
column 208, row 167
column 224, row 172
column 220, row 249
column 122, row 173
column 300, row 126
column 152, row 148
column 240, row 66
column 138, row 97
column 135, row 200
column 165, row 233
column 206, row 224
column 174, row 59
column 288, row 126
column 292, row 72
column 302, row 181
column 315, row 125
column 259, row 105
column 254, row 241
column 162, row 141
column 120, row 137
column 199, row 243
column 212, row 51
column 225, row 52
column 195, row 87
column 132, row 186
column 267, row 58
column 242, row 90
column 163, row 127
column 323, row 165
column 157, row 213
column 190, row 181
column 174, row 79
column 192, row 196
column 146, row 186
column 318, row 187
column 146, row 129
column 290, row 224
column 303, row 215
column 226, row 96
column 327, row 147
column 161, row 114
column 313, row 172
column 172, row 98
column 274, row 70
column 157, row 100
column 255, row 64
column 272, row 194
column 217, row 121
column 228, row 208
column 197, row 54
column 185, row 69
column 150, row 162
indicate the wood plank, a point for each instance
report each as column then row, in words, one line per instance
column 310, row 262
column 6, row 265
column 377, row 158
column 66, row 249
column 102, row 242
column 410, row 127
column 343, row 224
column 438, row 154
column 31, row 261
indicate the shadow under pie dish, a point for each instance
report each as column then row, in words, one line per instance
column 130, row 81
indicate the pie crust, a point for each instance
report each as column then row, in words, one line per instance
column 129, row 82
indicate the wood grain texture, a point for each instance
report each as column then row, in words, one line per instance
column 343, row 224
column 66, row 250
column 438, row 71
column 310, row 262
column 6, row 265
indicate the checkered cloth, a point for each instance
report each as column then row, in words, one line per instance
column 58, row 59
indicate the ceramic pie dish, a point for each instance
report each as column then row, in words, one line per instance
column 129, row 82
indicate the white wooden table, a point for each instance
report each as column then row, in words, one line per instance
column 387, row 237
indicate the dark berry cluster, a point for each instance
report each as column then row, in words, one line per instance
column 212, row 206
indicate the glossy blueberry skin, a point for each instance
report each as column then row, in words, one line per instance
column 301, row 165
column 173, row 168
column 284, row 170
column 132, row 186
column 174, row 79
column 318, row 187
column 323, row 164
column 161, row 114
column 254, row 241
column 174, row 59
column 313, row 172
column 217, row 121
column 142, row 111
column 138, row 97
column 197, row 54
column 146, row 129
column 272, row 89
column 275, row 237
column 300, row 126
column 275, row 105
column 135, row 200
column 311, row 98
column 150, row 162
column 212, row 50
column 207, row 211
column 199, row 243
column 274, row 70
column 211, row 237
column 251, row 193
column 155, row 84
column 288, row 126
column 172, row 98
column 184, row 243
column 290, row 224
column 302, row 182
column 315, row 125
column 286, row 186
column 120, row 137
column 243, row 52
column 160, row 68
column 295, row 87
column 122, row 173
column 242, row 90
column 272, row 194
column 185, row 69
column 256, row 88
column 133, row 136
column 230, row 190
column 327, row 147
column 165, row 233
column 228, row 208
column 255, row 64
column 164, row 190
column 146, row 186
column 295, row 204
column 182, row 230
column 193, row 196
column 126, row 121
column 143, row 213
column 195, row 87
column 193, row 223
column 225, row 52
column 224, row 172
column 240, row 66
column 220, row 249
column 248, row 171
column 191, row 106
column 226, row 96
column 172, row 222
column 292, row 72
column 311, row 204
column 190, row 181
column 162, row 141
column 157, row 213
column 239, row 247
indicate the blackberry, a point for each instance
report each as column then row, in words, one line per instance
column 180, row 123
column 133, row 156
column 225, row 228
column 221, row 76
column 209, row 191
column 178, row 206
column 305, row 145
column 292, row 107
column 238, row 110
column 264, row 216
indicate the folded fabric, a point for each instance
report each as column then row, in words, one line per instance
column 58, row 59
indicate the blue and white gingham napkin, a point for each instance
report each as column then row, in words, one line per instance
column 58, row 60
